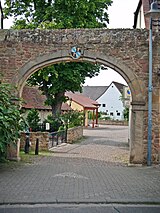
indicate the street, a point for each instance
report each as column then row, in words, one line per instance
column 93, row 173
column 81, row 208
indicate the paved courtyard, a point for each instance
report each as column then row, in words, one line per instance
column 93, row 171
column 106, row 143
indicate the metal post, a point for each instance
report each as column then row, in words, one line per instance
column 26, row 147
column 149, row 151
column 37, row 147
column 66, row 132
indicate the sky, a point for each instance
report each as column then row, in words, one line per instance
column 121, row 15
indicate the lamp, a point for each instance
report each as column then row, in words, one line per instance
column 154, row 12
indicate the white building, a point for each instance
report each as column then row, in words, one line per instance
column 112, row 98
column 111, row 102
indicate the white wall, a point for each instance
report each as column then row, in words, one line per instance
column 140, row 20
column 111, row 98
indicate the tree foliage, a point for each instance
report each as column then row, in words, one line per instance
column 73, row 118
column 55, row 80
column 60, row 14
column 33, row 119
column 126, row 113
column 9, row 118
column 55, row 123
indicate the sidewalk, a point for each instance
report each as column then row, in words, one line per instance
column 75, row 178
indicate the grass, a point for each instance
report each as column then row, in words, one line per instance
column 29, row 158
column 25, row 158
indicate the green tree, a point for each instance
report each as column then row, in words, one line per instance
column 33, row 119
column 60, row 14
column 55, row 80
column 9, row 118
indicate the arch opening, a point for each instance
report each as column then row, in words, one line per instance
column 137, row 97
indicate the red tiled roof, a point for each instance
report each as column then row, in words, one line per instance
column 82, row 100
column 33, row 99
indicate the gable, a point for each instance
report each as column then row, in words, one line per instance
column 119, row 86
column 96, row 92
column 112, row 91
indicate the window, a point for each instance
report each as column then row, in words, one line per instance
column 103, row 105
column 111, row 113
column 118, row 113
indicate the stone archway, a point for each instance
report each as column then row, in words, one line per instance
column 138, row 104
column 124, row 50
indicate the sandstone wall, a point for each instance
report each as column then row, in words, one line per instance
column 73, row 135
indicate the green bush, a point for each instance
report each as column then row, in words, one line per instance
column 126, row 113
column 72, row 118
column 55, row 122
column 33, row 119
column 9, row 118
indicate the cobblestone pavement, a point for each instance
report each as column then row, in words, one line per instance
column 106, row 143
column 68, row 177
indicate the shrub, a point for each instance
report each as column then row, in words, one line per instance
column 72, row 118
column 9, row 118
column 126, row 113
column 55, row 122
column 33, row 119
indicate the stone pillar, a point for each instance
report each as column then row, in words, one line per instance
column 136, row 133
column 86, row 118
column 156, row 126
column 13, row 151
column 159, row 133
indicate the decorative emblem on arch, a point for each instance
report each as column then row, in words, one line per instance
column 76, row 52
column 128, row 92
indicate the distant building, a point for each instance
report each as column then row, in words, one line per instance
column 112, row 99
column 33, row 99
column 84, row 104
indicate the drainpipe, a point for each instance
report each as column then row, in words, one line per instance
column 150, row 88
